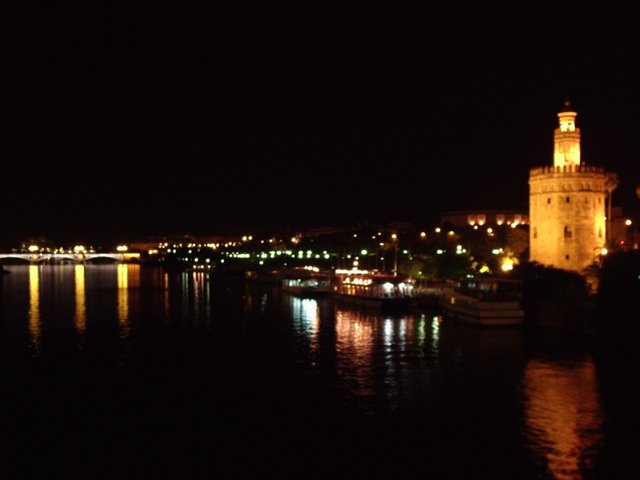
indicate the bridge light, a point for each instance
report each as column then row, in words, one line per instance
column 33, row 248
column 79, row 249
column 122, row 248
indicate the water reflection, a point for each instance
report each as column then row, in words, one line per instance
column 35, row 330
column 166, row 302
column 188, row 296
column 81, row 309
column 394, row 341
column 306, row 318
column 201, row 296
column 464, row 390
column 374, row 356
column 563, row 415
column 123, row 300
column 355, row 339
column 435, row 336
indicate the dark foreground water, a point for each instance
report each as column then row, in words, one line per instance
column 122, row 371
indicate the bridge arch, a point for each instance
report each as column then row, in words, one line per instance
column 60, row 257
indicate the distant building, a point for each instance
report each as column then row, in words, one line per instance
column 568, row 203
column 489, row 218
column 185, row 241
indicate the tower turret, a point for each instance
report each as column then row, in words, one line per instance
column 566, row 138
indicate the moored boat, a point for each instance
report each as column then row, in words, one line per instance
column 373, row 289
column 490, row 301
column 307, row 282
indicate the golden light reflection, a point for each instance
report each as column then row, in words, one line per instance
column 35, row 330
column 201, row 295
column 81, row 309
column 133, row 275
column 123, row 300
column 165, row 297
column 365, row 342
column 355, row 339
column 248, row 299
column 563, row 415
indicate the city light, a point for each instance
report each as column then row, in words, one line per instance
column 507, row 264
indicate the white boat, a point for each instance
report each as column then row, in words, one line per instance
column 306, row 283
column 491, row 301
column 373, row 289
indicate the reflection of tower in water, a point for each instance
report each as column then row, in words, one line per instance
column 563, row 416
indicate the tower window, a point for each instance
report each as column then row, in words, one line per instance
column 548, row 200
column 567, row 232
column 568, row 199
column 566, row 257
column 535, row 232
column 600, row 232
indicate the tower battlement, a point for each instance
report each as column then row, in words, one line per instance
column 565, row 169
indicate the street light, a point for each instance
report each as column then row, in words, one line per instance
column 394, row 237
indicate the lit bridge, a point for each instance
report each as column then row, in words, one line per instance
column 68, row 257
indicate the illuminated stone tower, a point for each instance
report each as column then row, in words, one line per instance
column 567, row 214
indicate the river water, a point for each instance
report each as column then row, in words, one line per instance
column 122, row 371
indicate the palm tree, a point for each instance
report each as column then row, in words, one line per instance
column 592, row 273
column 610, row 184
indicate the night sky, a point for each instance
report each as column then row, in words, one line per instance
column 122, row 123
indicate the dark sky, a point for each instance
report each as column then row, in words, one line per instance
column 123, row 123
